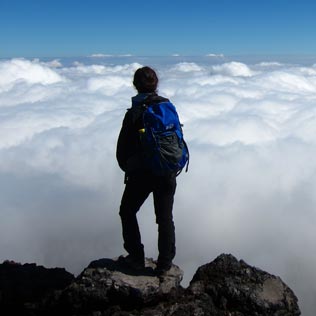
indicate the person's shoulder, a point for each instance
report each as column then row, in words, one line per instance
column 157, row 99
column 133, row 113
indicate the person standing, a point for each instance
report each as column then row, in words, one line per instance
column 140, row 182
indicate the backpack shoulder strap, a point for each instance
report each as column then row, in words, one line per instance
column 136, row 114
column 155, row 99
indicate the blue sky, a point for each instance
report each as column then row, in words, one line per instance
column 42, row 28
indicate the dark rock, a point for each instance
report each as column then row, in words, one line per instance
column 107, row 282
column 235, row 286
column 227, row 287
column 23, row 286
column 224, row 287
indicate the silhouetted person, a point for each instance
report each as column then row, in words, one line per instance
column 140, row 182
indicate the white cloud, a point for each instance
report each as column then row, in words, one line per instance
column 215, row 55
column 21, row 70
column 100, row 55
column 270, row 64
column 289, row 82
column 250, row 190
column 234, row 69
column 186, row 67
column 55, row 63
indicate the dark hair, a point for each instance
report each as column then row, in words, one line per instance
column 145, row 80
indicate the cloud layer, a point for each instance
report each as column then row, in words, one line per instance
column 250, row 190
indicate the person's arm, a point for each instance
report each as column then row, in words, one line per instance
column 122, row 144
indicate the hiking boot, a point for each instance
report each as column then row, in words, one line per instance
column 133, row 263
column 162, row 268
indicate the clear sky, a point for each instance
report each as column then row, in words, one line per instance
column 59, row 28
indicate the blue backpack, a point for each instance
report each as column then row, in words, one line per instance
column 165, row 151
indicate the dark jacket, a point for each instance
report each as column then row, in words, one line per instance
column 129, row 152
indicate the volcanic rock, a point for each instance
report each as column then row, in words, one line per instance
column 108, row 282
column 240, row 289
column 107, row 287
column 22, row 287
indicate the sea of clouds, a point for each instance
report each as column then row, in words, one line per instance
column 251, row 185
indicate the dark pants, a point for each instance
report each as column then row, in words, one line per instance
column 137, row 189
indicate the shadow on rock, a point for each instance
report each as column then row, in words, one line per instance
column 121, row 266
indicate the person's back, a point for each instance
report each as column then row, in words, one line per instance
column 141, row 181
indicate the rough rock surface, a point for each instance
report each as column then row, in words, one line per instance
column 224, row 287
column 108, row 282
column 23, row 286
column 240, row 289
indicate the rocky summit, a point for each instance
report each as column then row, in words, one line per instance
column 223, row 287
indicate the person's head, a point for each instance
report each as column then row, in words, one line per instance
column 145, row 80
